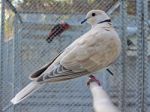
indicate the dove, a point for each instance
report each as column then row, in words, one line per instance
column 57, row 30
column 101, row 100
column 95, row 50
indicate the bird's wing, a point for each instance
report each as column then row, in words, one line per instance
column 60, row 73
column 37, row 73
column 85, row 55
column 94, row 50
column 57, row 71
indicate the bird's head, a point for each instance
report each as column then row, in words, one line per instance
column 65, row 25
column 93, row 17
column 92, row 79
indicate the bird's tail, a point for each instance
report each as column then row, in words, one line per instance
column 27, row 91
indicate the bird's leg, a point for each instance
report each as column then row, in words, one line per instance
column 109, row 71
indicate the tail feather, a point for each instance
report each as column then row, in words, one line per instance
column 27, row 91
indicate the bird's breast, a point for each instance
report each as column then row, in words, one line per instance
column 102, row 51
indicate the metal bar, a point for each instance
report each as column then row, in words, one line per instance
column 16, row 61
column 1, row 51
column 142, row 53
column 123, row 26
column 113, row 8
column 14, row 10
column 146, row 64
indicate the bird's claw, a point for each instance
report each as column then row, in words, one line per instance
column 92, row 78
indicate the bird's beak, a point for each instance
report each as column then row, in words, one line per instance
column 84, row 21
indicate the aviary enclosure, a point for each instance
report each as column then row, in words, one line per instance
column 23, row 49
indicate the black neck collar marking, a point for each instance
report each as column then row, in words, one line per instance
column 107, row 20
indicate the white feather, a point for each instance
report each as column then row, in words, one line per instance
column 25, row 92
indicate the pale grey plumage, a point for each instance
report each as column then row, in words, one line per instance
column 96, row 49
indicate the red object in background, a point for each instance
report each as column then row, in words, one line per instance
column 57, row 30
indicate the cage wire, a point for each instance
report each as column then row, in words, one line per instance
column 24, row 28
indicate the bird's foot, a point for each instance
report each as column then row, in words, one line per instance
column 92, row 78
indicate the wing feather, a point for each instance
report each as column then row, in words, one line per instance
column 84, row 56
column 60, row 73
column 39, row 72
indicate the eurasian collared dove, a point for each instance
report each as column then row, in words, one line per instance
column 101, row 100
column 95, row 50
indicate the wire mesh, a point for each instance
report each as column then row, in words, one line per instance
column 25, row 25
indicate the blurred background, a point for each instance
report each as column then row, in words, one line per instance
column 25, row 26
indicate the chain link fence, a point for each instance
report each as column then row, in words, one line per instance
column 24, row 28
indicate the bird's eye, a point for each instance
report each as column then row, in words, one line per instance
column 93, row 14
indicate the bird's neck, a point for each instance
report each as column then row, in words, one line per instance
column 105, row 24
column 104, row 21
